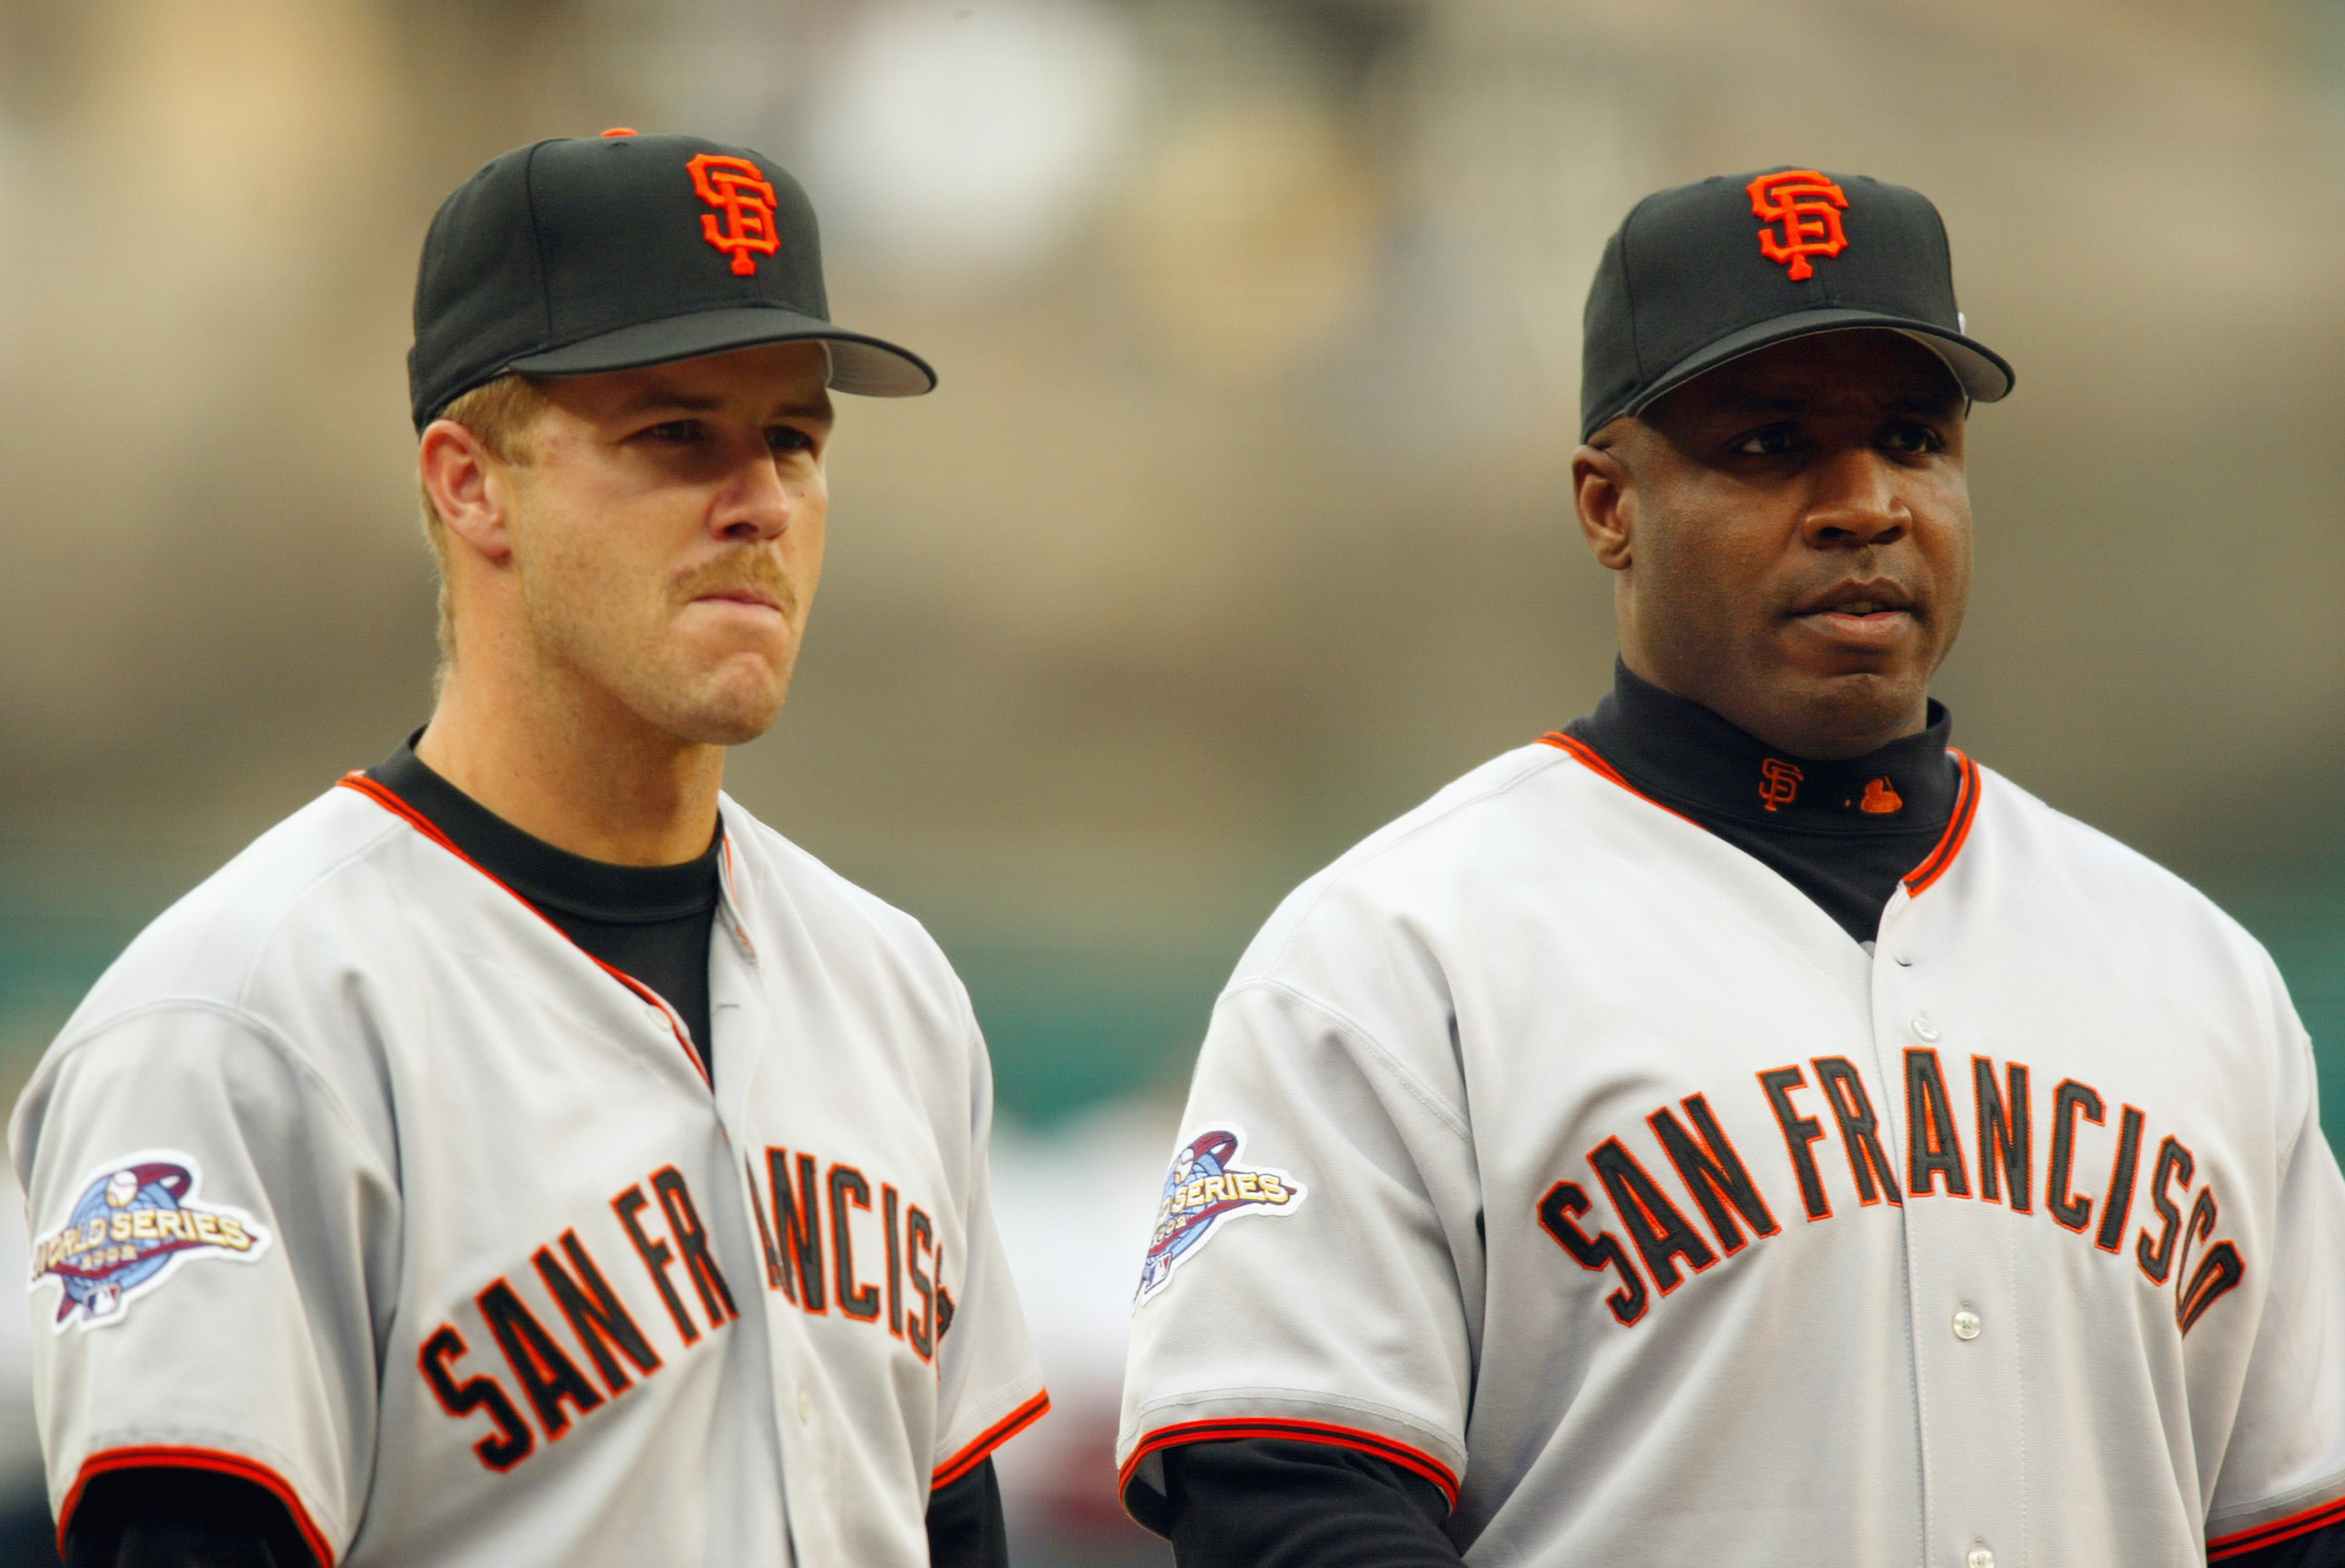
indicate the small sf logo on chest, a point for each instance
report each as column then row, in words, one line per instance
column 1205, row 1188
column 136, row 1219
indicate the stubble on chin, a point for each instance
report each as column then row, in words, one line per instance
column 644, row 665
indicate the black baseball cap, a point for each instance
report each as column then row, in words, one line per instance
column 587, row 254
column 1703, row 273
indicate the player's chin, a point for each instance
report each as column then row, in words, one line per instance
column 730, row 706
column 1861, row 703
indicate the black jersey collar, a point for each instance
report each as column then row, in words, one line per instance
column 548, row 877
column 1684, row 756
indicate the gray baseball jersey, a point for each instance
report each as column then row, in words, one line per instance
column 355, row 1177
column 1557, row 1150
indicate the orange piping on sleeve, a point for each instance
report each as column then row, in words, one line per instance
column 1233, row 1427
column 213, row 1460
column 975, row 1453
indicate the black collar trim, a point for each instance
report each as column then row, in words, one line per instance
column 546, row 876
column 1680, row 755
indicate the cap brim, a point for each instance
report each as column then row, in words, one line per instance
column 1984, row 374
column 861, row 364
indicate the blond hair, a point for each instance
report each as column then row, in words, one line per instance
column 502, row 413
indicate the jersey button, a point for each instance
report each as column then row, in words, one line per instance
column 1922, row 1028
column 659, row 1019
column 1980, row 1557
column 1967, row 1328
column 806, row 1407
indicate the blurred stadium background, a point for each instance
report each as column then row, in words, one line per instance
column 1240, row 522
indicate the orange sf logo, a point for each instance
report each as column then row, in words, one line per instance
column 1809, row 206
column 1779, row 782
column 738, row 189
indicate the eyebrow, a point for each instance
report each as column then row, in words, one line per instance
column 1928, row 402
column 652, row 399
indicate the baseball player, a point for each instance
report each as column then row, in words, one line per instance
column 522, row 1154
column 1740, row 1128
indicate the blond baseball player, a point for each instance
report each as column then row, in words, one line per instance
column 522, row 1154
column 1739, row 1129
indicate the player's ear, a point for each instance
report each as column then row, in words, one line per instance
column 469, row 488
column 1604, row 492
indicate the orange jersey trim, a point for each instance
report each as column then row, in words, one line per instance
column 213, row 1460
column 389, row 802
column 1233, row 1427
column 1917, row 881
column 2318, row 1517
column 1958, row 829
column 1596, row 764
column 991, row 1438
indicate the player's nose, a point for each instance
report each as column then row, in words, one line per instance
column 1854, row 500
column 757, row 502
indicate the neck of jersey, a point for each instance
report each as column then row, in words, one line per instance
column 1844, row 833
column 652, row 923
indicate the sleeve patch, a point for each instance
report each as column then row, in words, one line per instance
column 1205, row 1187
column 136, row 1221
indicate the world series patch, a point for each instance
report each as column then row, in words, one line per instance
column 1205, row 1187
column 136, row 1219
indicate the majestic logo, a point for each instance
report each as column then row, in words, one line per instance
column 1881, row 798
column 1808, row 206
column 739, row 189
column 1779, row 782
column 136, row 1220
column 1204, row 1187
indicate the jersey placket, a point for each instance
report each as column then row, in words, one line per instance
column 1961, row 1261
column 742, row 1022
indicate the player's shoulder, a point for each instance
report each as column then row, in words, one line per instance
column 313, row 874
column 2078, row 878
column 1424, row 867
column 2047, row 843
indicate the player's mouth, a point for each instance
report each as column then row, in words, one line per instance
column 1860, row 616
column 748, row 597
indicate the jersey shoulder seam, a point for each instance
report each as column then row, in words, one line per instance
column 1410, row 1079
column 258, row 1027
column 1362, row 854
column 389, row 828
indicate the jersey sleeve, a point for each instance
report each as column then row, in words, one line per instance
column 205, row 1224
column 2283, row 1469
column 1314, row 1266
column 990, row 1386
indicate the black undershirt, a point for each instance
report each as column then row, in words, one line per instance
column 652, row 923
column 1269, row 1503
column 1843, row 833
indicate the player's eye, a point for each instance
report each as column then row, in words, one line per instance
column 1768, row 440
column 1911, row 437
column 788, row 438
column 675, row 430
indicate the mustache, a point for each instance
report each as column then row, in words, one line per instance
column 759, row 574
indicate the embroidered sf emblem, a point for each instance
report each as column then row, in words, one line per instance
column 1779, row 782
column 739, row 190
column 1809, row 206
column 1205, row 1187
column 134, row 1221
